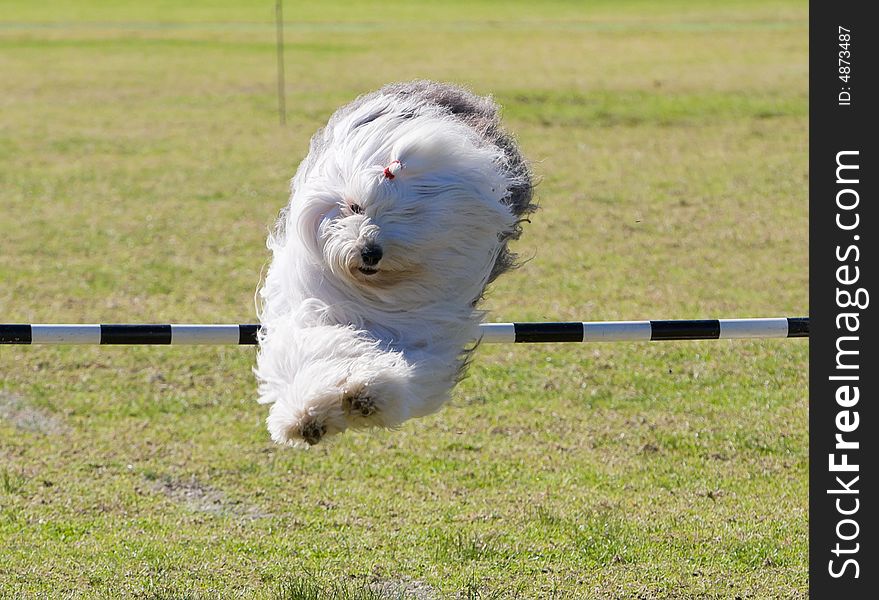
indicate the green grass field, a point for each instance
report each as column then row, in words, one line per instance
column 141, row 164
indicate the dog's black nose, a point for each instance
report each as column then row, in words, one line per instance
column 370, row 255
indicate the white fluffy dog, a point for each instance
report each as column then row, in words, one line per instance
column 399, row 218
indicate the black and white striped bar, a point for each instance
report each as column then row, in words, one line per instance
column 245, row 335
column 182, row 334
column 645, row 331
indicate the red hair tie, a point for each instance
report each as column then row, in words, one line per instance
column 392, row 169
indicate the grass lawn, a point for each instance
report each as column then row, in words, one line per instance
column 141, row 164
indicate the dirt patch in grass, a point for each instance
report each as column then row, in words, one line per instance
column 310, row 587
column 410, row 589
column 16, row 410
column 202, row 498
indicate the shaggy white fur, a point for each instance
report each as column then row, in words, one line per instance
column 399, row 218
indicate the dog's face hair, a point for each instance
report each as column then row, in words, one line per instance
column 439, row 220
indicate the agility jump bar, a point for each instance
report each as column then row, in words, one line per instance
column 246, row 335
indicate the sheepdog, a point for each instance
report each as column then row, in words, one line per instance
column 399, row 218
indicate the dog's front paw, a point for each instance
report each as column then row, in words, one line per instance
column 376, row 398
column 300, row 426
column 312, row 432
column 360, row 404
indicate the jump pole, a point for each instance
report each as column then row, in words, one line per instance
column 576, row 331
